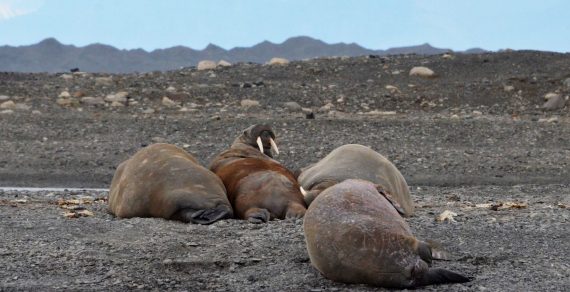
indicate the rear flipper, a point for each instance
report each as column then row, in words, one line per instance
column 431, row 250
column 257, row 215
column 435, row 276
column 295, row 211
column 205, row 216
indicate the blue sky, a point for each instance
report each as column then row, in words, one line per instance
column 375, row 24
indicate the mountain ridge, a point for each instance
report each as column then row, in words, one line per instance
column 50, row 55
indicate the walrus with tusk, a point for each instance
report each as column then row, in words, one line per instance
column 162, row 180
column 358, row 162
column 258, row 187
column 355, row 234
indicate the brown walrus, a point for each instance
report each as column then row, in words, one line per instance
column 354, row 234
column 359, row 162
column 259, row 188
column 164, row 181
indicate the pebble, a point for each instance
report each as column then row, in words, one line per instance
column 247, row 103
column 508, row 88
column 148, row 111
column 392, row 89
column 422, row 72
column 117, row 97
column 104, row 81
column 66, row 101
column 326, row 108
column 67, row 76
column 477, row 113
column 293, row 106
column 90, row 100
column 117, row 104
column 8, row 105
column 447, row 56
column 278, row 61
column 64, row 94
column 206, row 65
column 4, row 97
column 8, row 111
column 553, row 102
column 167, row 102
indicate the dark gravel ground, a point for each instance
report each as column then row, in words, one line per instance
column 461, row 140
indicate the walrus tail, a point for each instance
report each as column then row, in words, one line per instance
column 435, row 276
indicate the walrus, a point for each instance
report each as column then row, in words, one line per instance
column 358, row 162
column 162, row 180
column 355, row 234
column 258, row 187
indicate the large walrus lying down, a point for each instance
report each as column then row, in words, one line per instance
column 259, row 188
column 358, row 162
column 355, row 234
column 164, row 181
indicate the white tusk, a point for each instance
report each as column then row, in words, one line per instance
column 303, row 191
column 274, row 146
column 260, row 144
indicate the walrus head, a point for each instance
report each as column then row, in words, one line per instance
column 260, row 137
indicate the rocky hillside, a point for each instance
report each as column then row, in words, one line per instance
column 50, row 55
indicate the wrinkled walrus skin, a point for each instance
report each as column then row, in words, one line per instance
column 358, row 162
column 355, row 235
column 164, row 181
column 258, row 187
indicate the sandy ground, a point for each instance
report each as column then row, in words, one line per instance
column 463, row 142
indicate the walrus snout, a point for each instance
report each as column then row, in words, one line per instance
column 266, row 144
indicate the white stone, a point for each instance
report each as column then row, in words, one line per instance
column 148, row 111
column 206, row 65
column 104, row 81
column 392, row 88
column 508, row 88
column 7, row 112
column 293, row 106
column 64, row 94
column 22, row 107
column 247, row 103
column 477, row 113
column 8, row 105
column 4, row 97
column 167, row 102
column 171, row 89
column 36, row 112
column 422, row 72
column 447, row 56
column 117, row 104
column 66, row 101
column 551, row 95
column 278, row 61
column 118, row 97
column 92, row 100
column 381, row 113
column 67, row 76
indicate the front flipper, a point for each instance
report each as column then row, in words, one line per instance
column 437, row 251
column 257, row 215
column 390, row 199
column 295, row 211
column 435, row 276
column 204, row 216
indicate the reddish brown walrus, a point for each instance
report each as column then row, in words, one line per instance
column 358, row 162
column 259, row 188
column 164, row 181
column 354, row 234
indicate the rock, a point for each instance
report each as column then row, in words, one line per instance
column 4, row 97
column 117, row 97
column 79, row 94
column 224, row 63
column 67, row 101
column 421, row 71
column 326, row 108
column 67, row 76
column 64, row 94
column 104, row 81
column 93, row 100
column 566, row 83
column 36, row 112
column 553, row 102
column 447, row 56
column 117, row 104
column 8, row 105
column 7, row 112
column 167, row 102
column 293, row 106
column 508, row 88
column 148, row 111
column 278, row 61
column 206, row 65
column 171, row 89
column 247, row 103
column 477, row 113
column 22, row 107
column 381, row 113
column 392, row 89
column 454, row 117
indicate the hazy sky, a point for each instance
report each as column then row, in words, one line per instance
column 375, row 24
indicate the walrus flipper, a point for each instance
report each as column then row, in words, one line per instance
column 205, row 216
column 388, row 197
column 257, row 215
column 437, row 251
column 435, row 276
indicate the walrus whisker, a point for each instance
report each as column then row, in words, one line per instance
column 273, row 146
column 260, row 144
column 303, row 191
